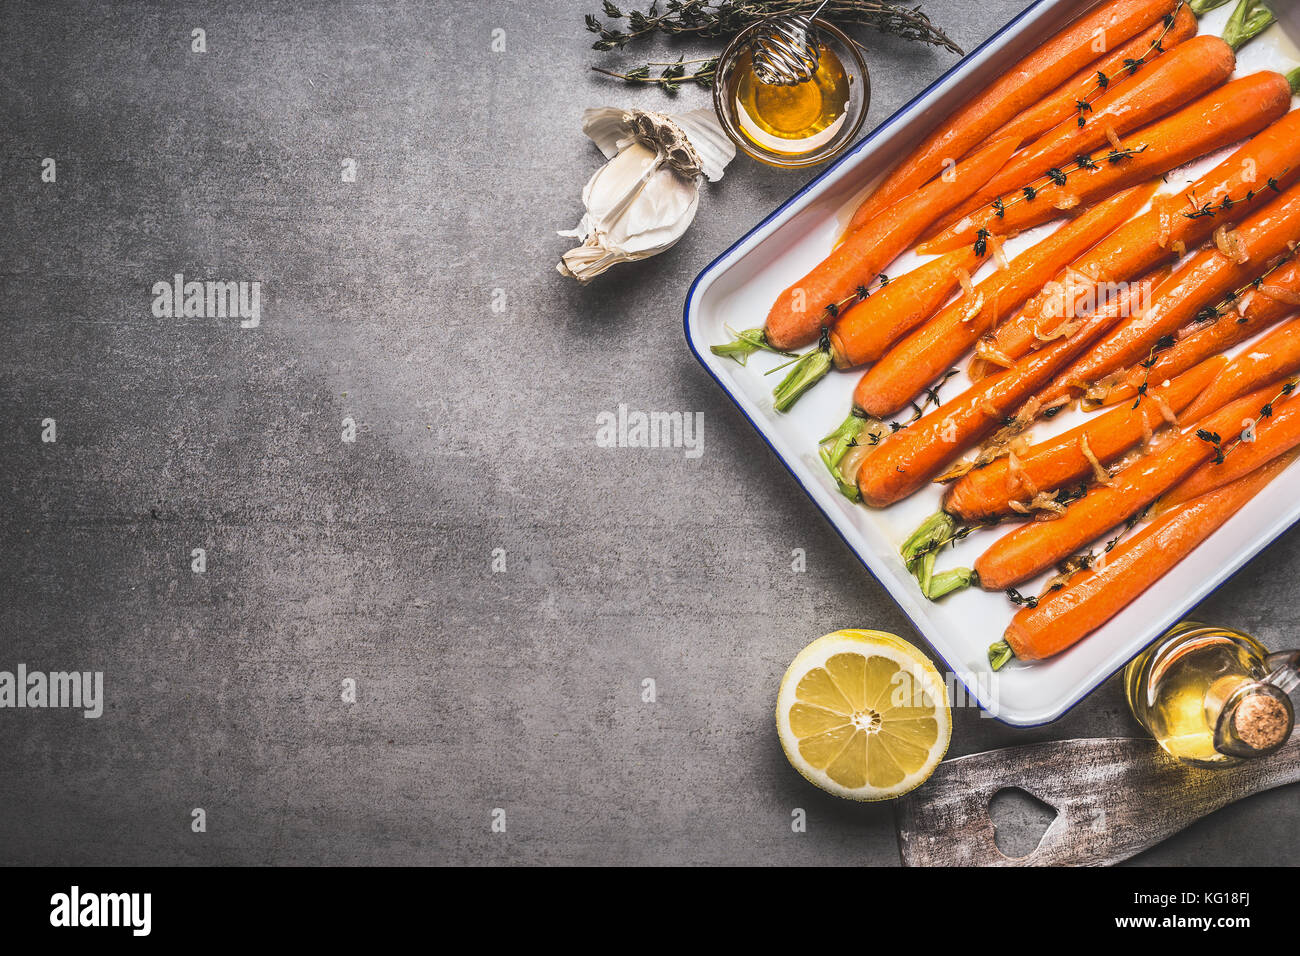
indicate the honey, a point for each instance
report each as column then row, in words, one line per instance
column 790, row 119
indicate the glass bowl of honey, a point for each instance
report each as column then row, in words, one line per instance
column 800, row 125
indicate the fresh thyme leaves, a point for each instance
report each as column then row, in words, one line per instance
column 1131, row 65
column 1212, row 313
column 1220, row 453
column 1086, row 560
column 932, row 393
column 672, row 76
column 957, row 535
column 1129, row 525
column 860, row 294
column 920, row 550
column 1058, row 176
column 723, row 19
column 931, row 400
column 1211, row 209
column 1213, row 438
column 1162, row 343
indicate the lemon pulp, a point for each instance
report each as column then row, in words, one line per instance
column 863, row 714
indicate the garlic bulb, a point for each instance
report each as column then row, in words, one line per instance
column 641, row 201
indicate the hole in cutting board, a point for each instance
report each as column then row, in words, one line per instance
column 1019, row 821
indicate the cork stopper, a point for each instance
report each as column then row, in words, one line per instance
column 1261, row 721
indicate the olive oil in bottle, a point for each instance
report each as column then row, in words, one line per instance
column 1212, row 696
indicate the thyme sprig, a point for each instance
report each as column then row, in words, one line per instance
column 930, row 400
column 1076, row 563
column 860, row 294
column 1057, row 176
column 1130, row 66
column 1162, row 343
column 1212, row 313
column 922, row 547
column 672, row 76
column 1211, row 209
column 1221, row 453
column 713, row 19
column 1267, row 410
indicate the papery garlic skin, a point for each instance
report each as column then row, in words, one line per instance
column 641, row 201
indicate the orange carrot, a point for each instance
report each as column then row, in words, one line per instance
column 1210, row 275
column 1194, row 68
column 1275, row 355
column 1230, row 113
column 868, row 329
column 906, row 460
column 1232, row 189
column 1118, row 67
column 1257, row 310
column 1279, row 434
column 1025, row 84
column 986, row 493
column 1062, row 618
column 1034, row 547
column 912, row 364
column 801, row 311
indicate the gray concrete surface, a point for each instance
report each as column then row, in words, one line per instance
column 372, row 560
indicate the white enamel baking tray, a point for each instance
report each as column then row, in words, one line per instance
column 734, row 293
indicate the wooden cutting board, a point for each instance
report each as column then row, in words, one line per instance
column 1114, row 796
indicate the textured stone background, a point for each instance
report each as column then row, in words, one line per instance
column 476, row 431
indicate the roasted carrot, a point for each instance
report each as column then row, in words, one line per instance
column 1273, row 356
column 1194, row 68
column 1034, row 547
column 1062, row 618
column 1230, row 191
column 801, row 311
column 1258, row 310
column 1228, row 114
column 1279, row 435
column 867, row 330
column 1210, row 275
column 986, row 493
column 916, row 361
column 1117, row 70
column 908, row 459
column 1025, row 84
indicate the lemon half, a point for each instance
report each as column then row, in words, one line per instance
column 863, row 715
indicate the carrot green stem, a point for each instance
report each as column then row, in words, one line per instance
column 1294, row 79
column 833, row 449
column 933, row 530
column 920, row 550
column 1000, row 653
column 919, row 553
column 946, row 582
column 1249, row 20
column 744, row 345
column 810, row 369
column 1202, row 7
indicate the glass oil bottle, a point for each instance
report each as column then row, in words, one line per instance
column 1213, row 696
